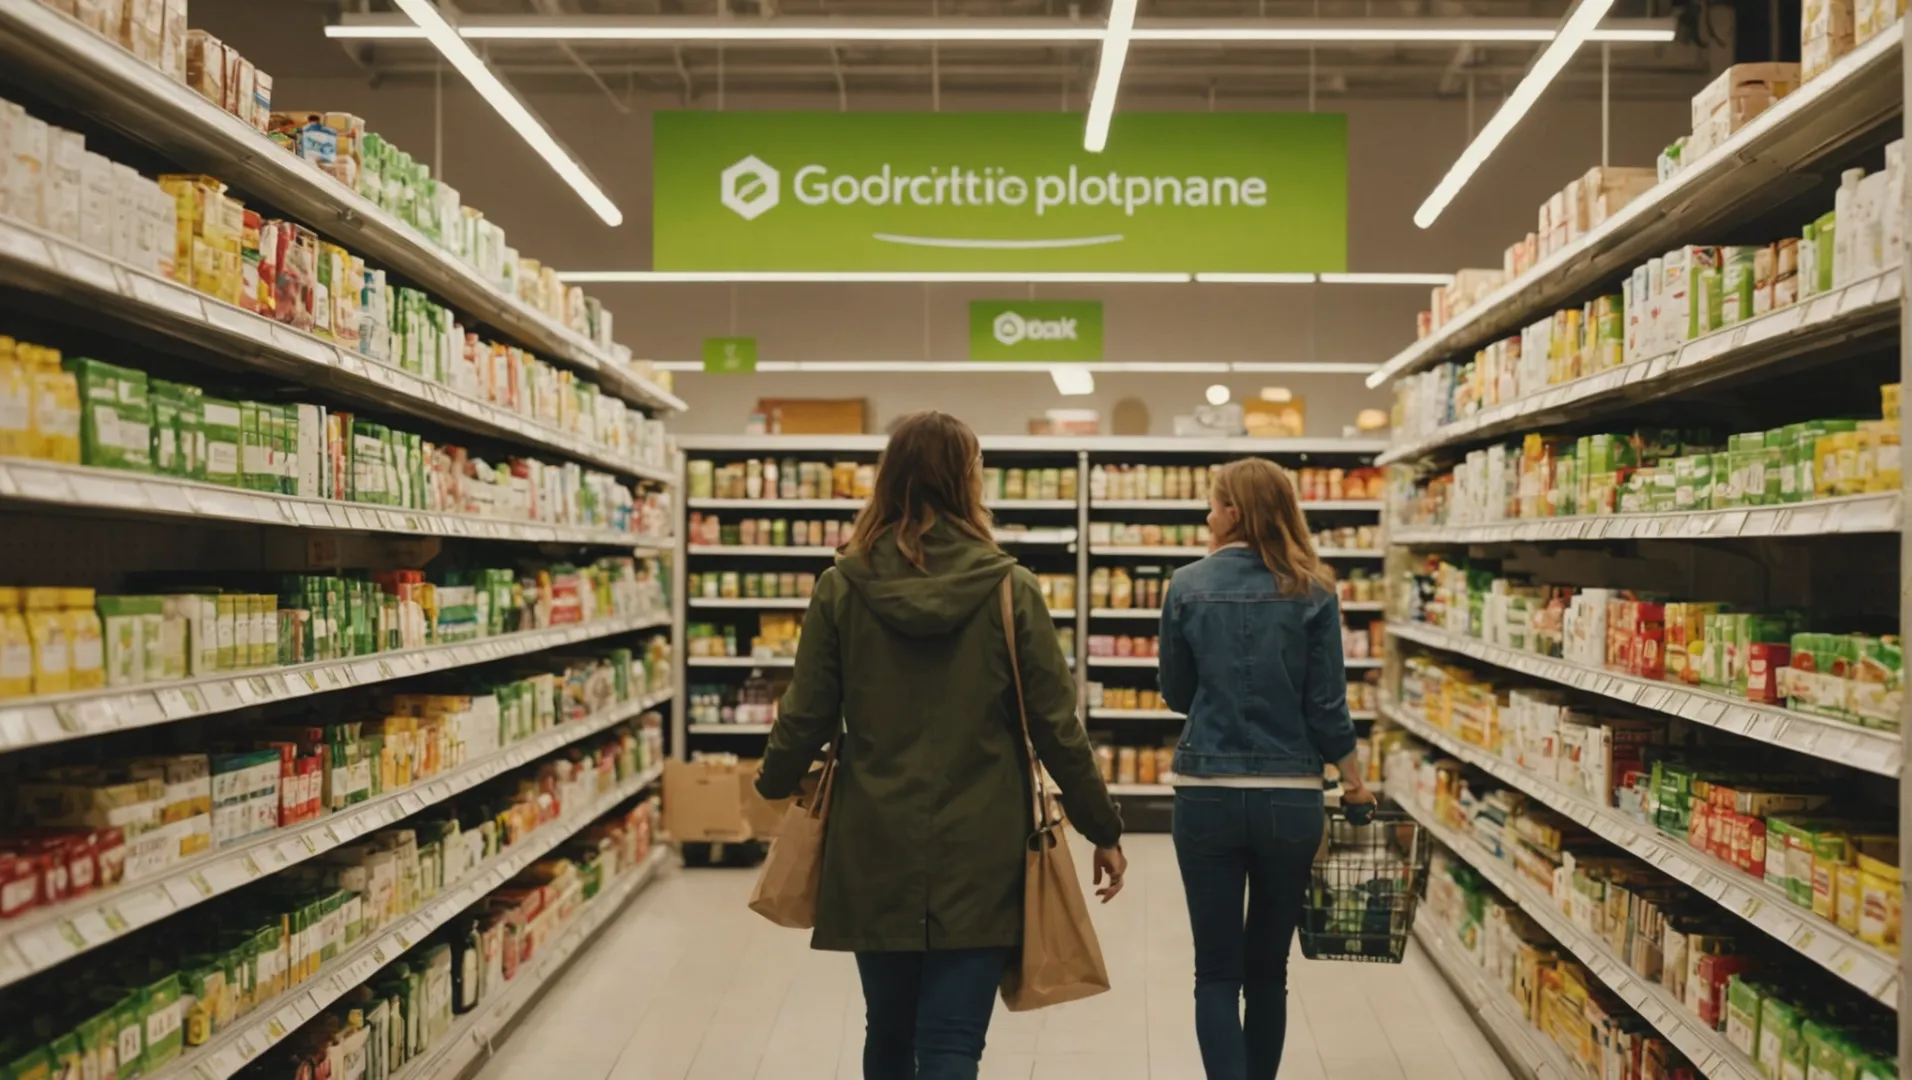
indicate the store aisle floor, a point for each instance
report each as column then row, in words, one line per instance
column 690, row 985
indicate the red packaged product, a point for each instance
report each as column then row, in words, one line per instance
column 1714, row 970
column 1763, row 661
column 19, row 884
column 109, row 854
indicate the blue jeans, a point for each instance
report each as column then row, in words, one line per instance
column 1261, row 841
column 928, row 1011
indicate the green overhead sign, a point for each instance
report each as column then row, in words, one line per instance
column 892, row 191
column 730, row 355
column 1060, row 331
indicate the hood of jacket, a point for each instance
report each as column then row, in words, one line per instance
column 961, row 575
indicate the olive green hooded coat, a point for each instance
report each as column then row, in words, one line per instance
column 924, row 846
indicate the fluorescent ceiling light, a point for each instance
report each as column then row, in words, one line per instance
column 1386, row 279
column 1007, row 277
column 1034, row 31
column 1073, row 381
column 1580, row 23
column 515, row 112
column 1255, row 279
column 1108, row 75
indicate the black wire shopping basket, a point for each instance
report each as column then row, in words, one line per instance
column 1367, row 882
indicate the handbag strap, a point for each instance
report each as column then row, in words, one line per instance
column 1041, row 813
column 821, row 799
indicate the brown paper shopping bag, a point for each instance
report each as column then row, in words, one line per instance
column 786, row 891
column 1061, row 958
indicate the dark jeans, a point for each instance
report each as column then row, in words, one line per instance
column 1227, row 841
column 928, row 1011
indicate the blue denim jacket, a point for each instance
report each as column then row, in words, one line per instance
column 1258, row 674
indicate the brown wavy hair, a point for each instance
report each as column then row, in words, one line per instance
column 1263, row 494
column 931, row 469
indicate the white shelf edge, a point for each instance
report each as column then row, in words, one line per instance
column 92, row 919
column 790, row 603
column 272, row 1022
column 470, row 1036
column 1140, row 549
column 1708, row 1050
column 1866, row 748
column 1141, row 789
column 1100, row 713
column 1068, row 444
column 1504, row 302
column 1352, row 553
column 1872, row 971
column 729, row 729
column 1537, row 1057
column 1356, row 663
column 1125, row 661
column 1872, row 513
column 741, row 661
column 760, row 549
column 773, row 504
column 122, row 491
column 1125, row 613
column 40, row 721
column 1363, row 605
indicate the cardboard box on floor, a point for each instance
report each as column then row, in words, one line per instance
column 717, row 802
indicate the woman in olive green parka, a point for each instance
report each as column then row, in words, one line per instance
column 903, row 650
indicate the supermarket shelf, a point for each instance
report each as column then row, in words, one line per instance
column 1770, row 160
column 1363, row 605
column 52, row 266
column 759, row 549
column 1834, row 740
column 789, row 603
column 742, row 661
column 470, row 1037
column 1873, row 971
column 1035, row 537
column 83, row 71
column 1522, row 1047
column 1143, row 790
column 1356, row 662
column 1351, row 553
column 133, row 494
column 1125, row 661
column 1190, row 552
column 58, row 717
column 1866, row 309
column 1030, row 504
column 1363, row 714
column 228, row 1053
column 1068, row 444
column 1709, row 1051
column 1878, row 513
column 774, row 504
column 1125, row 613
column 1149, row 504
column 1060, row 614
column 1134, row 714
column 729, row 729
column 47, row 937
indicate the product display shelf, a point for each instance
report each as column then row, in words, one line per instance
column 56, row 718
column 1153, row 614
column 761, row 603
column 1050, row 537
column 1834, row 740
column 52, row 266
column 1871, row 970
column 1099, row 713
column 64, row 61
column 470, row 1038
column 118, row 492
column 1363, row 605
column 1146, row 790
column 226, row 1054
column 1351, row 505
column 1522, row 1047
column 47, row 937
column 774, row 504
column 1125, row 661
column 1708, row 1050
column 1146, row 551
column 729, row 729
column 1864, row 313
column 1750, row 172
column 742, row 661
column 1875, row 513
column 742, row 550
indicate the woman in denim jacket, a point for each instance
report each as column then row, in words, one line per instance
column 1251, row 652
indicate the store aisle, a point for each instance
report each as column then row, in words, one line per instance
column 691, row 986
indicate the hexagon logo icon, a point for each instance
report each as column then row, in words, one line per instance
column 751, row 188
column 1010, row 328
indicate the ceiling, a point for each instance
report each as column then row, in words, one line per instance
column 1171, row 75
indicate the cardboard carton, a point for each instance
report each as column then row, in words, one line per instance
column 717, row 802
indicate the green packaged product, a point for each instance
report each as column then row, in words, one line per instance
column 98, row 1036
column 164, row 434
column 1778, row 1026
column 67, row 1060
column 129, row 1026
column 116, row 415
column 221, row 423
column 1725, row 481
column 35, row 1064
column 1875, row 1067
column 164, row 1035
column 1736, row 298
column 1824, row 237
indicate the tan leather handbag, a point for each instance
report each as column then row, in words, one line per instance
column 1061, row 959
column 786, row 891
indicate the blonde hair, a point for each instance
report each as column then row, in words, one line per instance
column 1270, row 522
column 932, row 468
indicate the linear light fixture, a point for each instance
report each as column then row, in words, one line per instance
column 1108, row 75
column 445, row 38
column 965, row 367
column 1580, row 23
column 1006, row 277
column 1033, row 31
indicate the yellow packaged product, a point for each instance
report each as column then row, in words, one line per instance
column 88, row 654
column 1848, row 898
column 1880, row 899
column 52, row 647
column 197, row 216
column 16, row 647
column 1884, row 472
column 16, row 404
column 56, row 405
column 1889, row 401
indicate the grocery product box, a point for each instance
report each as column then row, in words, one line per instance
column 1825, row 34
column 717, row 801
column 1730, row 101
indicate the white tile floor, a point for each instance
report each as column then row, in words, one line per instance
column 690, row 985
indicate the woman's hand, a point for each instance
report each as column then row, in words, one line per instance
column 1110, row 863
column 1353, row 790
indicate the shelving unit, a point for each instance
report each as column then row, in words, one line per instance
column 604, row 597
column 1834, row 563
